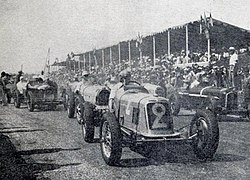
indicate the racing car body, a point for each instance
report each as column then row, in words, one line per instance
column 141, row 118
column 218, row 100
column 38, row 94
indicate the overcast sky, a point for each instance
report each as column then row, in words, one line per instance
column 29, row 27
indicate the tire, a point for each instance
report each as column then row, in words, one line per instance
column 52, row 107
column 205, row 125
column 65, row 101
column 88, row 128
column 79, row 113
column 110, row 139
column 175, row 104
column 30, row 102
column 8, row 97
column 79, row 109
column 17, row 102
column 71, row 105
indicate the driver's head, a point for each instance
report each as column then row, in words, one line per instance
column 125, row 76
column 22, row 78
column 85, row 75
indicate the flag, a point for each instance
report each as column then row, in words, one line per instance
column 139, row 40
column 205, row 21
column 211, row 20
column 201, row 25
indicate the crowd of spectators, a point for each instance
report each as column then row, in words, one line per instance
column 225, row 69
column 180, row 70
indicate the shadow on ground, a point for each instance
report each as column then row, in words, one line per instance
column 160, row 155
column 13, row 166
column 233, row 119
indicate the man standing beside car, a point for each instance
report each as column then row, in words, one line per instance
column 232, row 65
column 3, row 89
column 246, row 92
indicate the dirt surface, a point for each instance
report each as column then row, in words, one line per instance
column 48, row 145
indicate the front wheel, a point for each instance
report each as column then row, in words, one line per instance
column 111, row 139
column 30, row 103
column 71, row 105
column 17, row 102
column 205, row 131
column 88, row 128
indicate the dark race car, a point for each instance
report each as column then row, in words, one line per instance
column 38, row 94
column 221, row 101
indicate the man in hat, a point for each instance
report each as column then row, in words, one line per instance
column 3, row 89
column 21, row 85
column 124, row 78
column 232, row 65
column 20, row 73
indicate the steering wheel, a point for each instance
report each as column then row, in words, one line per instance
column 134, row 85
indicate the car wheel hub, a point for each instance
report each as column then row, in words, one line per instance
column 201, row 129
column 106, row 139
column 79, row 114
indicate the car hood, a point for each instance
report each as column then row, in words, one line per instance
column 210, row 90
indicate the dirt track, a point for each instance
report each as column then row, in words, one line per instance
column 48, row 145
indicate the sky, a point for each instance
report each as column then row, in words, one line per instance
column 29, row 27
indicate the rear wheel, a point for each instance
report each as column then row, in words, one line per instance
column 204, row 127
column 17, row 102
column 88, row 128
column 79, row 113
column 71, row 105
column 52, row 107
column 111, row 139
column 30, row 102
column 65, row 101
column 175, row 104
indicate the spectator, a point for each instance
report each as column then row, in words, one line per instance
column 232, row 62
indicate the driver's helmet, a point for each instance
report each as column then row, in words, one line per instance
column 125, row 75
column 85, row 73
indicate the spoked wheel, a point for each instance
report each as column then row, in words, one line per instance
column 111, row 140
column 52, row 107
column 30, row 104
column 17, row 102
column 204, row 127
column 65, row 101
column 88, row 128
column 79, row 113
column 175, row 104
column 71, row 105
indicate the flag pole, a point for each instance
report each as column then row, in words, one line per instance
column 169, row 42
column 119, row 53
column 103, row 58
column 154, row 49
column 110, row 55
column 187, row 51
column 84, row 61
column 79, row 64
column 129, row 55
column 89, row 62
column 208, row 49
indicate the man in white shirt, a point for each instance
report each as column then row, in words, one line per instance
column 232, row 61
column 21, row 85
column 125, row 77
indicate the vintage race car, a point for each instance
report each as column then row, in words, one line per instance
column 38, row 94
column 140, row 119
column 218, row 100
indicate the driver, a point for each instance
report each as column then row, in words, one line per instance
column 124, row 78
